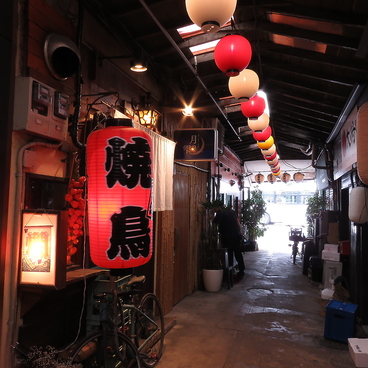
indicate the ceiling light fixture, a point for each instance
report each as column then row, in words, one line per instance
column 187, row 111
column 138, row 65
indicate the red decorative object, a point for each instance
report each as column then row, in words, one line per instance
column 120, row 176
column 269, row 151
column 76, row 213
column 232, row 54
column 270, row 157
column 254, row 107
column 262, row 135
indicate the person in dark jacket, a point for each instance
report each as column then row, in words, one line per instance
column 230, row 235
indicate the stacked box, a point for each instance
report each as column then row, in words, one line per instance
column 340, row 320
column 358, row 349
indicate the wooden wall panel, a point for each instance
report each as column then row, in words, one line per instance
column 165, row 258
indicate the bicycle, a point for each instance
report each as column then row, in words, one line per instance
column 143, row 321
column 107, row 347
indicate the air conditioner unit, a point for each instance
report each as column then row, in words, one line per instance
column 40, row 109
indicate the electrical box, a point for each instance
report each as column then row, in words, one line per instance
column 40, row 109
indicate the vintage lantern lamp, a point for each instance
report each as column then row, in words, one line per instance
column 210, row 15
column 259, row 178
column 271, row 178
column 285, row 177
column 259, row 124
column 274, row 161
column 120, row 176
column 254, row 107
column 43, row 259
column 232, row 54
column 245, row 85
column 298, row 177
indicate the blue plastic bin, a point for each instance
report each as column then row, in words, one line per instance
column 340, row 320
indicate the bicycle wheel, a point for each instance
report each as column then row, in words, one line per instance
column 150, row 330
column 93, row 352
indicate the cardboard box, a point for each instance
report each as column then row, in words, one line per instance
column 358, row 349
column 330, row 256
column 340, row 320
column 331, row 248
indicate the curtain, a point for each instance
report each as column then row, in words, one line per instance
column 163, row 163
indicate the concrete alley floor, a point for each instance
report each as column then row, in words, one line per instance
column 274, row 317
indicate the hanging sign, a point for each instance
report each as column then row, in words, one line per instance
column 120, row 177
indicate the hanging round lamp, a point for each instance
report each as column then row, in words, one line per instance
column 259, row 124
column 276, row 168
column 245, row 85
column 271, row 178
column 285, row 177
column 274, row 161
column 268, row 143
column 269, row 152
column 298, row 177
column 210, row 15
column 232, row 54
column 263, row 134
column 120, row 177
column 259, row 178
column 277, row 173
column 254, row 107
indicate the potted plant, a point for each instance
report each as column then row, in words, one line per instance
column 252, row 211
column 210, row 256
column 316, row 204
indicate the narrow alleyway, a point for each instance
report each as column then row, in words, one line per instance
column 274, row 317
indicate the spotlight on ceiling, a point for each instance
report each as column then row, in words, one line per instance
column 138, row 65
column 187, row 111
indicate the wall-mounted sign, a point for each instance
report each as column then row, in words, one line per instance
column 196, row 144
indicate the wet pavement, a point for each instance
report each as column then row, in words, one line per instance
column 273, row 317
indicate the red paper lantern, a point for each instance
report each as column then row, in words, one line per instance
column 254, row 107
column 232, row 54
column 262, row 135
column 120, row 175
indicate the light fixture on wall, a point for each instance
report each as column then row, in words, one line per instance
column 148, row 118
column 187, row 111
column 43, row 258
column 138, row 65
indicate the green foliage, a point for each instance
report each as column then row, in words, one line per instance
column 252, row 211
column 316, row 204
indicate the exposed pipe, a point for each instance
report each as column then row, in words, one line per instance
column 177, row 48
column 78, row 92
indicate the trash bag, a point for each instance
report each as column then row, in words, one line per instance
column 341, row 292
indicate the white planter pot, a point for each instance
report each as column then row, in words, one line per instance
column 212, row 280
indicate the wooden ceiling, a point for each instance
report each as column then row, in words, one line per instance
column 310, row 56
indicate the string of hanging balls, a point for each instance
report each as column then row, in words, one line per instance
column 232, row 56
column 284, row 177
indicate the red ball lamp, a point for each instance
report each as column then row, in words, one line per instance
column 262, row 135
column 120, row 176
column 210, row 15
column 232, row 54
column 245, row 85
column 254, row 107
